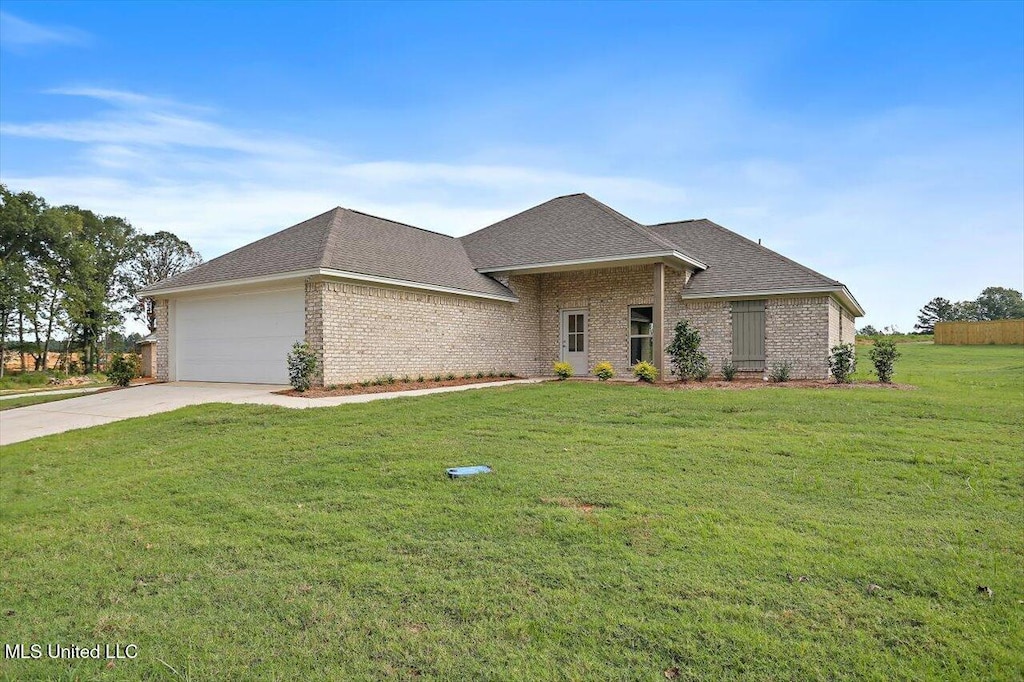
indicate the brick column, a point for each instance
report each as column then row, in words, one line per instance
column 659, row 318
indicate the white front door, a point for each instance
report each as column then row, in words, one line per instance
column 575, row 343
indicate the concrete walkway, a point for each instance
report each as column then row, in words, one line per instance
column 23, row 423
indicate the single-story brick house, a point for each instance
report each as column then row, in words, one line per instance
column 570, row 279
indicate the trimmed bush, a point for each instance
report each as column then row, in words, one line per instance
column 450, row 376
column 563, row 370
column 842, row 362
column 779, row 372
column 604, row 371
column 729, row 370
column 302, row 364
column 645, row 371
column 123, row 368
column 884, row 355
column 684, row 351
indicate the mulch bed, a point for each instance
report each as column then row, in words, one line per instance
column 356, row 389
column 748, row 384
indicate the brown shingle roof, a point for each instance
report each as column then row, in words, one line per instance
column 735, row 263
column 349, row 241
column 570, row 228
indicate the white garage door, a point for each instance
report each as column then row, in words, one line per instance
column 241, row 338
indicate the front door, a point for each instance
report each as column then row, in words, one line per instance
column 574, row 340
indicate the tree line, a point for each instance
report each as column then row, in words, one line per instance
column 994, row 303
column 69, row 276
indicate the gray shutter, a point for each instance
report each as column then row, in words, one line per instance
column 748, row 334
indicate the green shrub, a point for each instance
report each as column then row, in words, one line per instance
column 884, row 356
column 438, row 377
column 348, row 387
column 779, row 372
column 123, row 368
column 684, row 351
column 645, row 371
column 364, row 383
column 842, row 362
column 491, row 374
column 450, row 376
column 302, row 364
column 479, row 375
column 563, row 370
column 420, row 379
column 467, row 375
column 729, row 370
column 405, row 379
column 604, row 371
column 332, row 387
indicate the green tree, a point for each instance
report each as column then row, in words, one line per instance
column 156, row 257
column 98, row 288
column 18, row 212
column 936, row 310
column 1000, row 303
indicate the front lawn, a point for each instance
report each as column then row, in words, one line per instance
column 770, row 534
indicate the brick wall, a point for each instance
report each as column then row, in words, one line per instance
column 713, row 319
column 606, row 294
column 797, row 332
column 361, row 331
column 368, row 331
column 162, row 366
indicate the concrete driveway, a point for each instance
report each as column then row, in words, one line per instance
column 89, row 410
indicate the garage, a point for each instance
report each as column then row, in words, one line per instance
column 242, row 337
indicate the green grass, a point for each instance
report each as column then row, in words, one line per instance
column 24, row 380
column 253, row 542
column 36, row 399
column 17, row 382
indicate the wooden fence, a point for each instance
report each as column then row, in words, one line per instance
column 995, row 332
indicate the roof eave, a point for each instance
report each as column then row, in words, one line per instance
column 324, row 272
column 675, row 258
column 839, row 291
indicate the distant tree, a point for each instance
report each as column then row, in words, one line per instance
column 965, row 311
column 867, row 330
column 1000, row 303
column 936, row 310
column 97, row 291
column 156, row 257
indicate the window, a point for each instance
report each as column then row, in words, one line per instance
column 641, row 334
column 575, row 332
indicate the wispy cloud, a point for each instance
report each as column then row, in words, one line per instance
column 168, row 165
column 19, row 35
column 851, row 199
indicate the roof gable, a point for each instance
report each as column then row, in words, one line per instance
column 570, row 228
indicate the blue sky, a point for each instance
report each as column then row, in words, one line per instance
column 882, row 144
